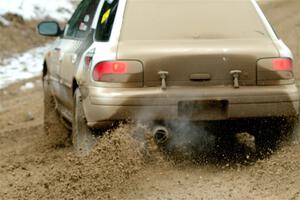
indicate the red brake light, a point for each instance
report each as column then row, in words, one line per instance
column 282, row 64
column 115, row 67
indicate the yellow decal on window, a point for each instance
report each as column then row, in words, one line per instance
column 105, row 16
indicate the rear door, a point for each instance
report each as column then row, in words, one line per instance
column 78, row 37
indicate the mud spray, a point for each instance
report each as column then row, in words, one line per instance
column 119, row 155
column 115, row 158
column 122, row 154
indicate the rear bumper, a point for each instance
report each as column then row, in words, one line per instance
column 105, row 104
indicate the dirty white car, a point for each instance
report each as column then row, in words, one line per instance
column 165, row 60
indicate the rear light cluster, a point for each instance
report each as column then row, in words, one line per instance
column 275, row 71
column 125, row 72
column 109, row 68
column 282, row 64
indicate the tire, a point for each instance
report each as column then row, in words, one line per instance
column 57, row 133
column 82, row 136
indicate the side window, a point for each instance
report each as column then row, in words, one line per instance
column 72, row 22
column 106, row 20
column 81, row 21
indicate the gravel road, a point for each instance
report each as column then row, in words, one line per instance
column 35, row 166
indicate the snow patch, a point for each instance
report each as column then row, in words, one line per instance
column 38, row 9
column 4, row 22
column 27, row 86
column 22, row 66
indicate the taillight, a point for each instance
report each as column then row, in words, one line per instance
column 109, row 68
column 275, row 71
column 282, row 64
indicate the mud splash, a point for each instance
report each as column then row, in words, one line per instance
column 118, row 155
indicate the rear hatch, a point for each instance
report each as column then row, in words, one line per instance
column 197, row 62
column 198, row 42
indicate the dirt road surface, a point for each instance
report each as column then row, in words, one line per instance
column 35, row 166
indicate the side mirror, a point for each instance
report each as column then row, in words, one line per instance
column 49, row 28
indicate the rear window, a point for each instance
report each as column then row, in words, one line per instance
column 191, row 19
column 106, row 20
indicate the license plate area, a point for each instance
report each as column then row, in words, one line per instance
column 203, row 109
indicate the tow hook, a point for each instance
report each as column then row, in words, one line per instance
column 236, row 75
column 163, row 75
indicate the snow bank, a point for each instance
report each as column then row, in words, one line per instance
column 22, row 66
column 38, row 9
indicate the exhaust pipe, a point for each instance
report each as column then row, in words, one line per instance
column 161, row 135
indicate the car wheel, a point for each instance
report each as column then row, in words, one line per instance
column 53, row 127
column 82, row 136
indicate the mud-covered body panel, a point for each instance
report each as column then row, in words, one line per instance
column 182, row 59
column 153, row 103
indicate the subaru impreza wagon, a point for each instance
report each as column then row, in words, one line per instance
column 202, row 60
